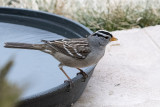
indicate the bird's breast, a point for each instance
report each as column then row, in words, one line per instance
column 91, row 59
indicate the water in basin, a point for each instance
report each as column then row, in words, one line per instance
column 32, row 69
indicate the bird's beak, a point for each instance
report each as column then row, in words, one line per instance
column 113, row 39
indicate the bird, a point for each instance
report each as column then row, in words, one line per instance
column 75, row 52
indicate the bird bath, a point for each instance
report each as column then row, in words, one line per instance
column 38, row 72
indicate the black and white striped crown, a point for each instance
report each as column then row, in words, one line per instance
column 103, row 33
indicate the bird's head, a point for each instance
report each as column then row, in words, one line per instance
column 102, row 37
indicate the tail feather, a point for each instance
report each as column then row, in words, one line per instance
column 24, row 45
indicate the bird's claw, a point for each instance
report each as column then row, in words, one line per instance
column 85, row 76
column 70, row 84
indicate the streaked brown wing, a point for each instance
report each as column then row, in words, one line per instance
column 77, row 48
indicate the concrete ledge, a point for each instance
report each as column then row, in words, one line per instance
column 129, row 73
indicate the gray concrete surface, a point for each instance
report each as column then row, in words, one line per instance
column 129, row 73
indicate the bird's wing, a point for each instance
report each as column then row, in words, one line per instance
column 76, row 48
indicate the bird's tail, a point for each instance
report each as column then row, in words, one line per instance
column 24, row 46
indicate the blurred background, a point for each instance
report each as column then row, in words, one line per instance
column 95, row 14
column 98, row 14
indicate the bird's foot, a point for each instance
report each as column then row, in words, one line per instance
column 70, row 84
column 85, row 76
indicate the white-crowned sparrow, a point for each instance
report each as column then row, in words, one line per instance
column 77, row 52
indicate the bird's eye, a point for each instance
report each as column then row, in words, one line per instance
column 107, row 37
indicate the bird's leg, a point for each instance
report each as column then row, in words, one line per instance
column 82, row 73
column 69, row 79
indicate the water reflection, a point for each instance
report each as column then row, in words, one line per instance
column 35, row 70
